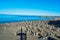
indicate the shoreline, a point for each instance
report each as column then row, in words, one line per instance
column 33, row 28
column 23, row 21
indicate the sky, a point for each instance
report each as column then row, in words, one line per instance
column 30, row 7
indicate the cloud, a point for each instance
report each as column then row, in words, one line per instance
column 28, row 12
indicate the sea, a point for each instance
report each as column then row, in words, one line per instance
column 5, row 18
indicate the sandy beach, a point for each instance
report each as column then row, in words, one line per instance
column 35, row 30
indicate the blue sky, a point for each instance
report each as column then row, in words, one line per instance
column 30, row 7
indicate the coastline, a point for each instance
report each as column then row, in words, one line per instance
column 10, row 30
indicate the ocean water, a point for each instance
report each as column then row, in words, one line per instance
column 4, row 18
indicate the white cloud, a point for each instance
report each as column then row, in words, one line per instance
column 28, row 12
